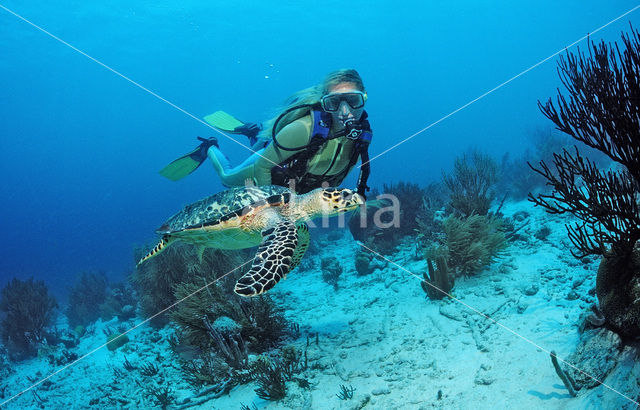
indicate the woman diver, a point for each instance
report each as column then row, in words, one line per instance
column 315, row 141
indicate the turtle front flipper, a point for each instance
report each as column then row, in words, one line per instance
column 272, row 261
column 303, row 244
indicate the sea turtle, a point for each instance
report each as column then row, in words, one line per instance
column 270, row 216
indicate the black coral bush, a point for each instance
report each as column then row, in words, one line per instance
column 602, row 110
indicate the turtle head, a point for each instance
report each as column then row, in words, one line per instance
column 325, row 202
column 336, row 200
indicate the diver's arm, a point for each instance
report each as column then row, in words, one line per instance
column 257, row 168
column 365, row 170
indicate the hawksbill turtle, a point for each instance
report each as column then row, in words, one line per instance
column 270, row 217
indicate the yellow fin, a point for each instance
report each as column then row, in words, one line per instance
column 181, row 167
column 223, row 121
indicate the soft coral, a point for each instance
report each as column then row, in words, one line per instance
column 28, row 309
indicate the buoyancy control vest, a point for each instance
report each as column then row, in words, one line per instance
column 294, row 170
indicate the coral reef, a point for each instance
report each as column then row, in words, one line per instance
column 85, row 297
column 216, row 331
column 62, row 358
column 199, row 306
column 228, row 342
column 373, row 225
column 618, row 291
column 149, row 370
column 5, row 368
column 516, row 177
column 155, row 280
column 601, row 112
column 439, row 282
column 263, row 323
column 605, row 202
column 346, row 393
column 409, row 197
column 363, row 263
column 331, row 271
column 260, row 321
column 270, row 379
column 470, row 244
column 469, row 238
column 28, row 309
column 395, row 214
column 542, row 233
column 219, row 331
column 429, row 219
column 120, row 301
column 596, row 355
column 205, row 370
column 471, row 184
column 568, row 382
column 116, row 341
column 271, row 374
column 92, row 297
column 361, row 224
column 162, row 396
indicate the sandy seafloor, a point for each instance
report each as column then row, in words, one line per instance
column 382, row 336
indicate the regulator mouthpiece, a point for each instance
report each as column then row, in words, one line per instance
column 352, row 129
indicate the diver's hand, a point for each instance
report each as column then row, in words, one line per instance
column 362, row 192
column 251, row 130
column 208, row 143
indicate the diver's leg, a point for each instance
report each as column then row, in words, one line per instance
column 219, row 160
column 239, row 175
column 260, row 144
column 252, row 158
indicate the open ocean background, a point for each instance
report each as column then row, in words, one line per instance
column 81, row 147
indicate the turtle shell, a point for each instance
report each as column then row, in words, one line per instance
column 225, row 205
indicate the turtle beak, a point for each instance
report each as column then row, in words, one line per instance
column 353, row 202
column 164, row 229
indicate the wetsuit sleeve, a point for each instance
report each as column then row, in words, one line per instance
column 257, row 168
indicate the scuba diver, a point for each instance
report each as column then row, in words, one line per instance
column 315, row 141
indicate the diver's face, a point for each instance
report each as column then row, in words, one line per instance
column 345, row 112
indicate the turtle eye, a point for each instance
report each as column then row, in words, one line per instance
column 347, row 195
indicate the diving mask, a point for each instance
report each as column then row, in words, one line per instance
column 331, row 102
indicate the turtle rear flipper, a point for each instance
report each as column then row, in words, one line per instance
column 272, row 261
column 164, row 242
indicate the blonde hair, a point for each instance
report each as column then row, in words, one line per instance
column 311, row 96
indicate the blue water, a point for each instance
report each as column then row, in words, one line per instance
column 81, row 146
